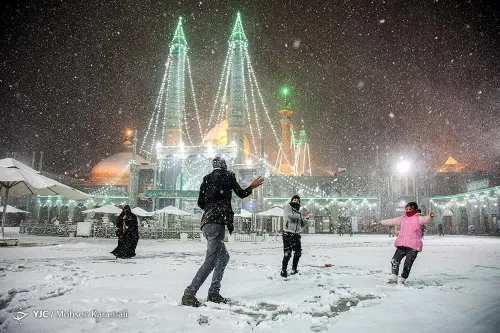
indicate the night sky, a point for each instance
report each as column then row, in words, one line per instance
column 414, row 79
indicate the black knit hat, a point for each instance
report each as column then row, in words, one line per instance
column 296, row 196
column 219, row 162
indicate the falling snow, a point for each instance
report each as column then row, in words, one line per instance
column 91, row 69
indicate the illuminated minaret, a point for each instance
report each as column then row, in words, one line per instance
column 175, row 100
column 168, row 128
column 238, row 49
column 302, row 156
column 286, row 163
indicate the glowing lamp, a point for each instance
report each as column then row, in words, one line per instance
column 403, row 166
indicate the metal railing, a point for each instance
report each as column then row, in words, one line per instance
column 47, row 230
column 107, row 231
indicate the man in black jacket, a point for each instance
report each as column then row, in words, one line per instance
column 215, row 200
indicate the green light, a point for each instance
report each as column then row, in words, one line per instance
column 286, row 90
column 238, row 34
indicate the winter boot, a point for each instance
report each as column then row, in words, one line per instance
column 283, row 273
column 217, row 298
column 294, row 271
column 393, row 279
column 190, row 300
column 401, row 281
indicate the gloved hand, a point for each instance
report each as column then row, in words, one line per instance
column 230, row 227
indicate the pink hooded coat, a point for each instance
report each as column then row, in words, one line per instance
column 410, row 232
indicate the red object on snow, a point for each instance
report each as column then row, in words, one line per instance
column 328, row 265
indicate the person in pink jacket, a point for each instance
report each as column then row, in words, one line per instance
column 409, row 241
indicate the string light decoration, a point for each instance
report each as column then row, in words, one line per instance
column 239, row 82
column 169, row 112
column 238, row 88
column 313, row 197
column 193, row 170
column 302, row 158
column 485, row 198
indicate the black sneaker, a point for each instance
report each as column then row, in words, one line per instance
column 283, row 273
column 217, row 298
column 190, row 300
column 293, row 272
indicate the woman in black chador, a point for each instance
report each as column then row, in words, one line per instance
column 128, row 234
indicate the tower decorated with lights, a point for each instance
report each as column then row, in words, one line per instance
column 169, row 131
column 294, row 156
column 302, row 161
column 238, row 48
column 233, row 129
column 285, row 156
column 239, row 94
column 239, row 126
column 168, row 126
column 175, row 99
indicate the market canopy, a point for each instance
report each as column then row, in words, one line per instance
column 141, row 212
column 244, row 213
column 13, row 210
column 172, row 211
column 107, row 209
column 275, row 211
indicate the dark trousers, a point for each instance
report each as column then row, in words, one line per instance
column 291, row 242
column 216, row 260
column 401, row 252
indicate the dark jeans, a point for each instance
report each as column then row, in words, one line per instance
column 403, row 251
column 291, row 242
column 216, row 260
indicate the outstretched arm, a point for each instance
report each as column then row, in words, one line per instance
column 393, row 221
column 304, row 217
column 243, row 193
column 425, row 219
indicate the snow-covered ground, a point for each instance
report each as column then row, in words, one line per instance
column 454, row 286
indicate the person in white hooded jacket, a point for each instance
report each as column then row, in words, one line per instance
column 293, row 222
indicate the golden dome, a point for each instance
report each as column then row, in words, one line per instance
column 217, row 136
column 113, row 169
column 451, row 165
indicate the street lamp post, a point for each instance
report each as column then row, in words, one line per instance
column 403, row 170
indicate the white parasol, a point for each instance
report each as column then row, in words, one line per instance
column 18, row 179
